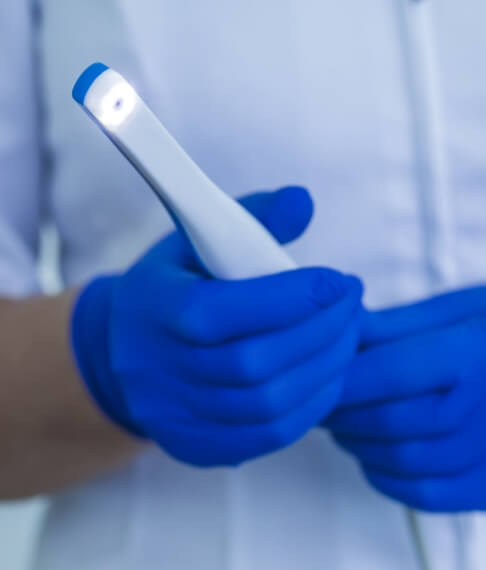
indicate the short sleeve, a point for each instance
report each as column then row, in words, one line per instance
column 19, row 151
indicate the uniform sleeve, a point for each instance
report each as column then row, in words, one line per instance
column 19, row 151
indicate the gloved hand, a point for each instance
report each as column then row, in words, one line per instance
column 413, row 407
column 218, row 372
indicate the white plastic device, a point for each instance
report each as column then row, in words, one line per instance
column 229, row 241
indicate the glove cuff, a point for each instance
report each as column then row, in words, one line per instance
column 90, row 341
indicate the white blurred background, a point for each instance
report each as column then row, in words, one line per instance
column 19, row 525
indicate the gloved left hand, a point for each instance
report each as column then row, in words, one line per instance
column 218, row 372
column 413, row 409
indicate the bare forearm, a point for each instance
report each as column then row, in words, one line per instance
column 51, row 434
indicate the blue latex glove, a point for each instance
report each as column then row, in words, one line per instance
column 218, row 372
column 413, row 408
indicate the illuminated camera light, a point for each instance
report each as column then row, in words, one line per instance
column 117, row 105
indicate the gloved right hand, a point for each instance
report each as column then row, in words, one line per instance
column 412, row 411
column 218, row 372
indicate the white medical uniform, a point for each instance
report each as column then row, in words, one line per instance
column 379, row 107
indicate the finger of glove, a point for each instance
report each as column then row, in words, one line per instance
column 263, row 403
column 257, row 359
column 391, row 324
column 462, row 492
column 412, row 366
column 412, row 459
column 437, row 456
column 213, row 312
column 210, row 445
column 416, row 417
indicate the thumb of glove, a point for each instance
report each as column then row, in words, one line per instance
column 285, row 213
